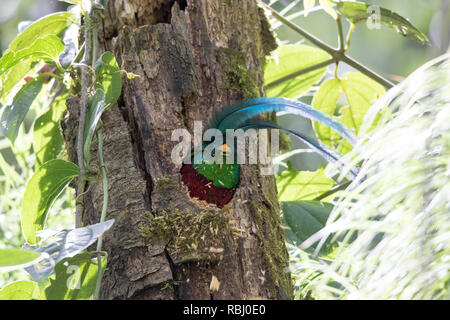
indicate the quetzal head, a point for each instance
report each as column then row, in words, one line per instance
column 215, row 182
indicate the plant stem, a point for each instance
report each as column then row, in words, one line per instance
column 305, row 34
column 349, row 35
column 104, row 209
column 340, row 33
column 337, row 55
column 363, row 69
column 82, row 120
column 299, row 73
column 332, row 191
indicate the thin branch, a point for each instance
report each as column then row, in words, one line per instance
column 335, row 53
column 363, row 69
column 332, row 191
column 298, row 73
column 305, row 34
column 340, row 34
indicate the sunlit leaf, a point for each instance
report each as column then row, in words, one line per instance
column 11, row 259
column 326, row 100
column 14, row 114
column 47, row 48
column 290, row 59
column 53, row 24
column 15, row 76
column 20, row 290
column 96, row 107
column 41, row 191
column 328, row 8
column 75, row 278
column 361, row 12
column 307, row 5
column 359, row 91
column 108, row 76
column 47, row 136
column 67, row 244
column 295, row 185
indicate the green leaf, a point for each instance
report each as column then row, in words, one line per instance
column 53, row 24
column 46, row 48
column 13, row 115
column 287, row 60
column 108, row 77
column 41, row 191
column 295, row 185
column 96, row 107
column 66, row 244
column 11, row 259
column 360, row 93
column 327, row 6
column 360, row 12
column 47, row 136
column 305, row 218
column 14, row 76
column 20, row 290
column 326, row 100
column 75, row 278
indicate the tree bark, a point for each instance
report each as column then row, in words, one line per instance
column 193, row 57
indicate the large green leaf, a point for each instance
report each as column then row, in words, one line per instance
column 14, row 76
column 66, row 244
column 326, row 100
column 359, row 12
column 11, row 259
column 360, row 93
column 47, row 48
column 20, row 290
column 13, row 115
column 41, row 191
column 47, row 136
column 96, row 107
column 295, row 185
column 108, row 77
column 75, row 278
column 287, row 60
column 304, row 218
column 12, row 70
column 53, row 24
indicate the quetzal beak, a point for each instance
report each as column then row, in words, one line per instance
column 225, row 149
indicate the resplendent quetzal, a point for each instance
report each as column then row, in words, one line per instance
column 215, row 183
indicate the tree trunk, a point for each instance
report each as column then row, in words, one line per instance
column 193, row 57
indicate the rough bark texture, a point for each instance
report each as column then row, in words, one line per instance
column 193, row 58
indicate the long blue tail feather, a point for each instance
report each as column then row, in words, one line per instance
column 234, row 116
column 324, row 151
